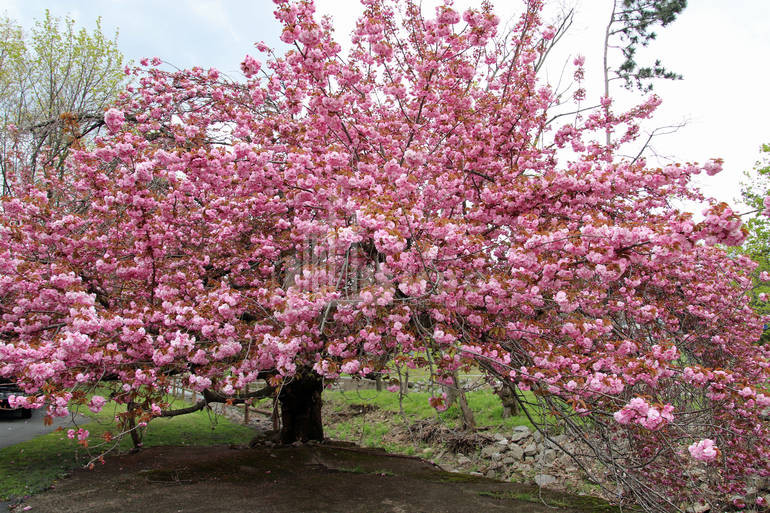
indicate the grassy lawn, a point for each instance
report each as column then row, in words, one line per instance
column 32, row 466
column 371, row 430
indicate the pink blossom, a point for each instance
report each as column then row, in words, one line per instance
column 96, row 403
column 114, row 119
column 713, row 167
column 449, row 16
column 624, row 416
column 81, row 434
column 250, row 66
column 704, row 450
column 351, row 367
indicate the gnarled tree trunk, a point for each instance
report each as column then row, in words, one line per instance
column 508, row 397
column 301, row 408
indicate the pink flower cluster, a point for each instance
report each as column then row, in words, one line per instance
column 81, row 434
column 704, row 450
column 96, row 403
column 722, row 226
column 639, row 411
column 114, row 119
column 250, row 66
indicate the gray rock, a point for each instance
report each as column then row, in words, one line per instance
column 544, row 480
column 530, row 449
column 491, row 452
column 698, row 508
column 463, row 459
column 498, row 437
column 548, row 456
column 560, row 439
column 520, row 433
column 491, row 474
column 502, row 441
column 509, row 460
column 516, row 452
column 520, row 438
column 523, row 468
column 538, row 436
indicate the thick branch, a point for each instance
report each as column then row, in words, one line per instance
column 210, row 396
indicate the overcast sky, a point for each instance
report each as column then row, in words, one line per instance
column 720, row 46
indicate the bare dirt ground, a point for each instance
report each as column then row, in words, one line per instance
column 329, row 477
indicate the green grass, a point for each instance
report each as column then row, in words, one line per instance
column 33, row 465
column 486, row 406
column 560, row 500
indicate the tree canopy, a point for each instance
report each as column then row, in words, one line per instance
column 415, row 200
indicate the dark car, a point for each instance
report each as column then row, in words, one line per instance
column 7, row 389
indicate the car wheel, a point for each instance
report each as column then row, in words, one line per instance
column 26, row 413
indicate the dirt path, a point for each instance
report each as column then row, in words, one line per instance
column 309, row 478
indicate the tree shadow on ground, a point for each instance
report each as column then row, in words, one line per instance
column 329, row 477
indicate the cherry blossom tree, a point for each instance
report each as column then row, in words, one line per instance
column 423, row 199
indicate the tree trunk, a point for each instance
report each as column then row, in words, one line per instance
column 301, row 408
column 451, row 394
column 508, row 398
column 136, row 436
column 469, row 422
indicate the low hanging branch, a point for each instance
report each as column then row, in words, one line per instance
column 210, row 396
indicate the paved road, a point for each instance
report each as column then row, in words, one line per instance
column 14, row 429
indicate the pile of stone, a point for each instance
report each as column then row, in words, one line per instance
column 523, row 455
column 526, row 456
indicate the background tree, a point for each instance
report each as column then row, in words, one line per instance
column 415, row 202
column 628, row 29
column 754, row 190
column 632, row 22
column 56, row 81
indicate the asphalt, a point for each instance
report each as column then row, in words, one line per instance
column 14, row 429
